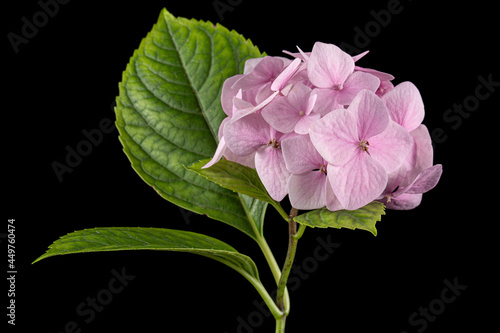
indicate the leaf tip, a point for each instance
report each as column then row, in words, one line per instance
column 43, row 256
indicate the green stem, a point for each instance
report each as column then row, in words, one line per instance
column 273, row 265
column 277, row 313
column 280, row 210
column 268, row 254
column 280, row 324
column 290, row 256
column 271, row 261
column 293, row 238
column 300, row 232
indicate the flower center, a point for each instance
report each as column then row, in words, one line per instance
column 338, row 87
column 301, row 113
column 323, row 169
column 364, row 145
column 273, row 143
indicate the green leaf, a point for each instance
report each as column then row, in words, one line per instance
column 169, row 111
column 235, row 177
column 121, row 239
column 363, row 218
column 238, row 178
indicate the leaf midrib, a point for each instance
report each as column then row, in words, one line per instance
column 214, row 135
column 177, row 50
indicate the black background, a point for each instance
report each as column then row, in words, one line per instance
column 64, row 80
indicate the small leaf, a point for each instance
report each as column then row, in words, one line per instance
column 122, row 238
column 363, row 218
column 238, row 178
column 235, row 177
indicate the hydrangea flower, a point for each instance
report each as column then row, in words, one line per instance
column 331, row 70
column 253, row 135
column 326, row 132
column 308, row 185
column 362, row 145
column 293, row 112
column 416, row 176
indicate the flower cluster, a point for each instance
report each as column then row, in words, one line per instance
column 326, row 132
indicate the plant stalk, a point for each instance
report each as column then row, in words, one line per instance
column 276, row 271
column 268, row 254
column 280, row 324
column 293, row 237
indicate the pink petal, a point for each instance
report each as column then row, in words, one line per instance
column 404, row 202
column 421, row 153
column 308, row 191
column 394, row 180
column 301, row 54
column 329, row 66
column 391, row 147
column 221, row 148
column 287, row 73
column 247, row 160
column 302, row 126
column 269, row 67
column 326, row 100
column 356, row 82
column 264, row 71
column 272, row 171
column 252, row 110
column 381, row 75
column 311, row 102
column 250, row 65
column 281, row 115
column 335, row 136
column 221, row 127
column 298, row 97
column 384, row 88
column 359, row 56
column 228, row 93
column 240, row 104
column 300, row 155
column 405, row 105
column 301, row 77
column 253, row 80
column 332, row 203
column 427, row 180
column 371, row 113
column 263, row 93
column 358, row 182
column 247, row 134
column 424, row 153
column 305, row 56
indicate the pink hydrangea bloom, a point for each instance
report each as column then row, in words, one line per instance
column 326, row 132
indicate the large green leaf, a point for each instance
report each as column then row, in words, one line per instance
column 363, row 218
column 158, row 239
column 238, row 178
column 169, row 111
column 121, row 239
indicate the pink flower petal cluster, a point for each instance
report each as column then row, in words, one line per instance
column 328, row 133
